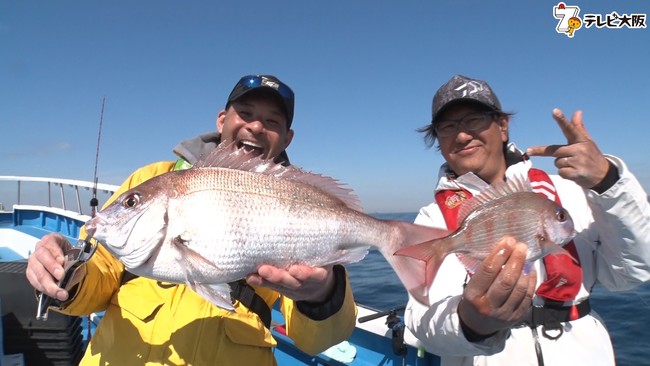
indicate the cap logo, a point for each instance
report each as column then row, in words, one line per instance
column 271, row 84
column 469, row 88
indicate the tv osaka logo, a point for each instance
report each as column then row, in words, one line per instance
column 570, row 20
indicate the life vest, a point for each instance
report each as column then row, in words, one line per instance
column 563, row 274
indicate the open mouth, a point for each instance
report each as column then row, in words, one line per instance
column 251, row 147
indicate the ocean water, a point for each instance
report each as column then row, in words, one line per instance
column 626, row 314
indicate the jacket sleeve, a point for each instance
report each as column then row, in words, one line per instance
column 437, row 326
column 622, row 221
column 103, row 271
column 316, row 335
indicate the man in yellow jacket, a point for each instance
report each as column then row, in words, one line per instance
column 149, row 322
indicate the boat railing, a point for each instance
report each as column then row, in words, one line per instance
column 77, row 188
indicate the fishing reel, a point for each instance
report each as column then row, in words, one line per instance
column 396, row 325
column 74, row 268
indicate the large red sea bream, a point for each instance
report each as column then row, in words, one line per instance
column 232, row 212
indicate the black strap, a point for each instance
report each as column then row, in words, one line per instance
column 127, row 276
column 240, row 290
column 552, row 314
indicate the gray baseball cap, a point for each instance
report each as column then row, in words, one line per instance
column 461, row 88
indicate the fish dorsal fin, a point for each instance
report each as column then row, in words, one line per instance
column 516, row 183
column 228, row 156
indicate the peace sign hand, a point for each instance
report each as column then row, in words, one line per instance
column 579, row 160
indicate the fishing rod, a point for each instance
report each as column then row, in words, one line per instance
column 93, row 201
column 379, row 314
column 79, row 253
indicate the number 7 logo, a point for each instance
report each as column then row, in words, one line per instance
column 569, row 19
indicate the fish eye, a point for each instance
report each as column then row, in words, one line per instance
column 561, row 215
column 132, row 200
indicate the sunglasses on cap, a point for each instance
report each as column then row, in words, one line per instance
column 252, row 82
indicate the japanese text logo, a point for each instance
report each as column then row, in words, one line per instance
column 569, row 20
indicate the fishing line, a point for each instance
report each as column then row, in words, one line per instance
column 637, row 291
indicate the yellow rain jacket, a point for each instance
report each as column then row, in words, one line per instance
column 153, row 323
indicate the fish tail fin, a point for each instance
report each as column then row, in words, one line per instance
column 413, row 260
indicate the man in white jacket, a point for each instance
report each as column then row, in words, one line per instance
column 501, row 314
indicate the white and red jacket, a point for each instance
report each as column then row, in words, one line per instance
column 613, row 244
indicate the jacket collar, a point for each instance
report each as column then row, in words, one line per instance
column 516, row 160
column 191, row 150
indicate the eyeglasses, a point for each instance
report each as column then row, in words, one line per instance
column 471, row 122
column 254, row 81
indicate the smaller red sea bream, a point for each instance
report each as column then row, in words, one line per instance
column 506, row 209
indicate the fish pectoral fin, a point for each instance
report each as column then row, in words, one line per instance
column 349, row 254
column 195, row 262
column 217, row 294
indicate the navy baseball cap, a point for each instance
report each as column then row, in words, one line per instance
column 249, row 83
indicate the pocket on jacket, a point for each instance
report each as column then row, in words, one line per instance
column 247, row 331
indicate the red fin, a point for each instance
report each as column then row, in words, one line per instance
column 413, row 271
column 431, row 253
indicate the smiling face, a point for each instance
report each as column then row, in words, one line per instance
column 574, row 23
column 481, row 151
column 256, row 122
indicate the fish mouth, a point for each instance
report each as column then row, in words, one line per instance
column 95, row 229
column 251, row 147
column 91, row 227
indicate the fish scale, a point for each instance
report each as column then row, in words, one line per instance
column 210, row 225
column 476, row 240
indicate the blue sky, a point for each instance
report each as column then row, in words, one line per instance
column 364, row 73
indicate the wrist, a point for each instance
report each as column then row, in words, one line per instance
column 332, row 303
column 325, row 294
column 611, row 177
column 471, row 334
